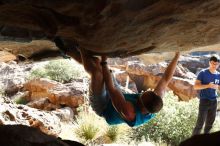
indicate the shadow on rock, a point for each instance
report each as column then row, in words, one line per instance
column 212, row 139
column 20, row 135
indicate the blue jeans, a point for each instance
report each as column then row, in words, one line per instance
column 207, row 114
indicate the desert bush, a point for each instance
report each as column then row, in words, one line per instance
column 112, row 132
column 87, row 131
column 121, row 134
column 87, row 127
column 91, row 129
column 38, row 73
column 20, row 100
column 2, row 92
column 172, row 124
column 59, row 70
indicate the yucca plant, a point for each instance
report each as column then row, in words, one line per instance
column 87, row 131
column 113, row 133
column 87, row 127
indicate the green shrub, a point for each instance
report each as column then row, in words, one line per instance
column 119, row 134
column 59, row 70
column 112, row 133
column 172, row 124
column 38, row 73
column 87, row 131
column 20, row 100
column 91, row 129
column 2, row 92
column 87, row 127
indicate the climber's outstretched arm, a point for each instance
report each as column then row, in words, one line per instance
column 167, row 76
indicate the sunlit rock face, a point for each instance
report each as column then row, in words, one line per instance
column 145, row 77
column 181, row 84
column 117, row 28
column 14, row 114
column 56, row 93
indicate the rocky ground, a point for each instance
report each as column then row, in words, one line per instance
column 51, row 105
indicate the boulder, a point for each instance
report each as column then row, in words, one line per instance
column 43, row 104
column 57, row 93
column 6, row 56
column 14, row 114
column 147, row 76
column 196, row 63
column 211, row 139
column 13, row 76
column 21, row 135
column 116, row 28
column 125, row 83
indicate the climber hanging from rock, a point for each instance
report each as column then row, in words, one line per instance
column 106, row 98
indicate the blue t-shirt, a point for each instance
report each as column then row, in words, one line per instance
column 205, row 76
column 113, row 117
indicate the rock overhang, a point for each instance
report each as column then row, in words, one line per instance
column 117, row 28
